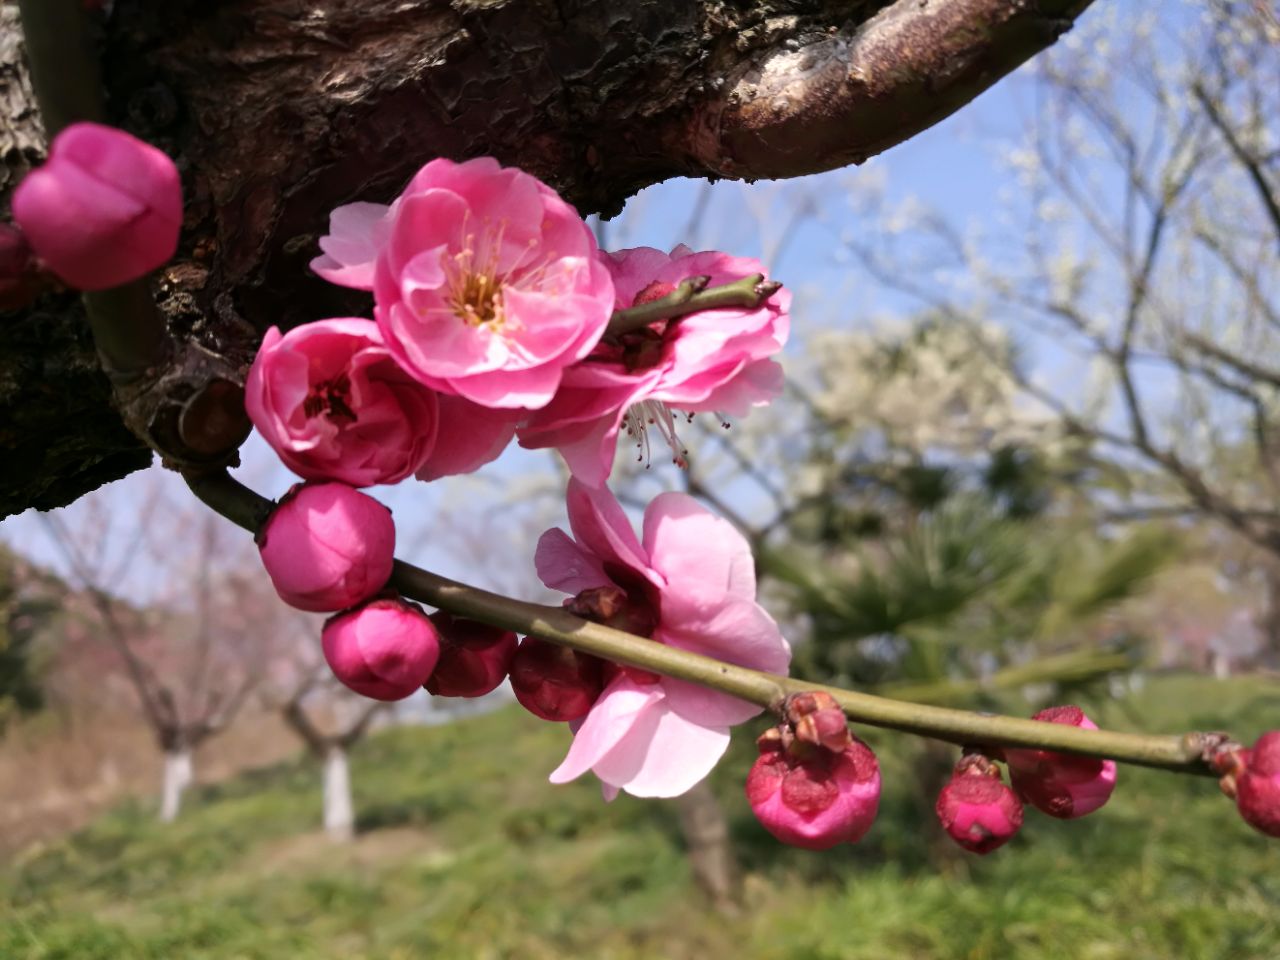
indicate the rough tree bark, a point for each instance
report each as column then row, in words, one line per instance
column 278, row 110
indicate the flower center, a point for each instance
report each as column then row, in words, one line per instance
column 476, row 298
column 331, row 398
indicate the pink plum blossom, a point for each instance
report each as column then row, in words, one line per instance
column 474, row 657
column 384, row 649
column 327, row 546
column 334, row 405
column 709, row 361
column 486, row 283
column 976, row 808
column 1258, row 785
column 815, row 798
column 1058, row 784
column 104, row 209
column 690, row 583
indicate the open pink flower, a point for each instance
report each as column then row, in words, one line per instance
column 486, row 284
column 691, row 581
column 709, row 361
column 334, row 405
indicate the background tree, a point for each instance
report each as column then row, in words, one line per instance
column 195, row 650
column 1143, row 249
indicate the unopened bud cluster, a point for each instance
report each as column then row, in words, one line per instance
column 981, row 813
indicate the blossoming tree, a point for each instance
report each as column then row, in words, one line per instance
column 484, row 314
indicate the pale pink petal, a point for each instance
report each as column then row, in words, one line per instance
column 704, row 558
column 740, row 632
column 356, row 232
column 709, row 708
column 599, row 524
column 562, row 564
column 662, row 754
column 754, row 386
column 620, row 709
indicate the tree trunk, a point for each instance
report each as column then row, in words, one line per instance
column 177, row 777
column 279, row 110
column 706, row 835
column 339, row 811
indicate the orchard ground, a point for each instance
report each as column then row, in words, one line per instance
column 465, row 851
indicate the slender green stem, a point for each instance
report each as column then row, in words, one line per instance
column 128, row 329
column 693, row 295
column 1181, row 753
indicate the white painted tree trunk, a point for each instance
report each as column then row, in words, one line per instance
column 339, row 812
column 177, row 777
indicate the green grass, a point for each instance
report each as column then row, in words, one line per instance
column 466, row 852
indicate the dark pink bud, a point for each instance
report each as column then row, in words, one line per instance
column 1059, row 784
column 327, row 546
column 105, row 208
column 818, row 800
column 977, row 810
column 384, row 649
column 1258, row 786
column 474, row 657
column 554, row 682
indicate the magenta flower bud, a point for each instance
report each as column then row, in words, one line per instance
column 1258, row 786
column 327, row 546
column 384, row 649
column 474, row 657
column 104, row 209
column 554, row 682
column 976, row 808
column 1058, row 784
column 817, row 800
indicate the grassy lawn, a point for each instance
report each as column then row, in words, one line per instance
column 466, row 852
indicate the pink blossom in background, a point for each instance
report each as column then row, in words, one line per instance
column 104, row 209
column 486, row 284
column 385, row 649
column 1059, row 784
column 330, row 400
column 327, row 546
column 710, row 361
column 815, row 799
column 691, row 580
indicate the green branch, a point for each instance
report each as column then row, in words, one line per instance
column 1183, row 753
column 691, row 296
